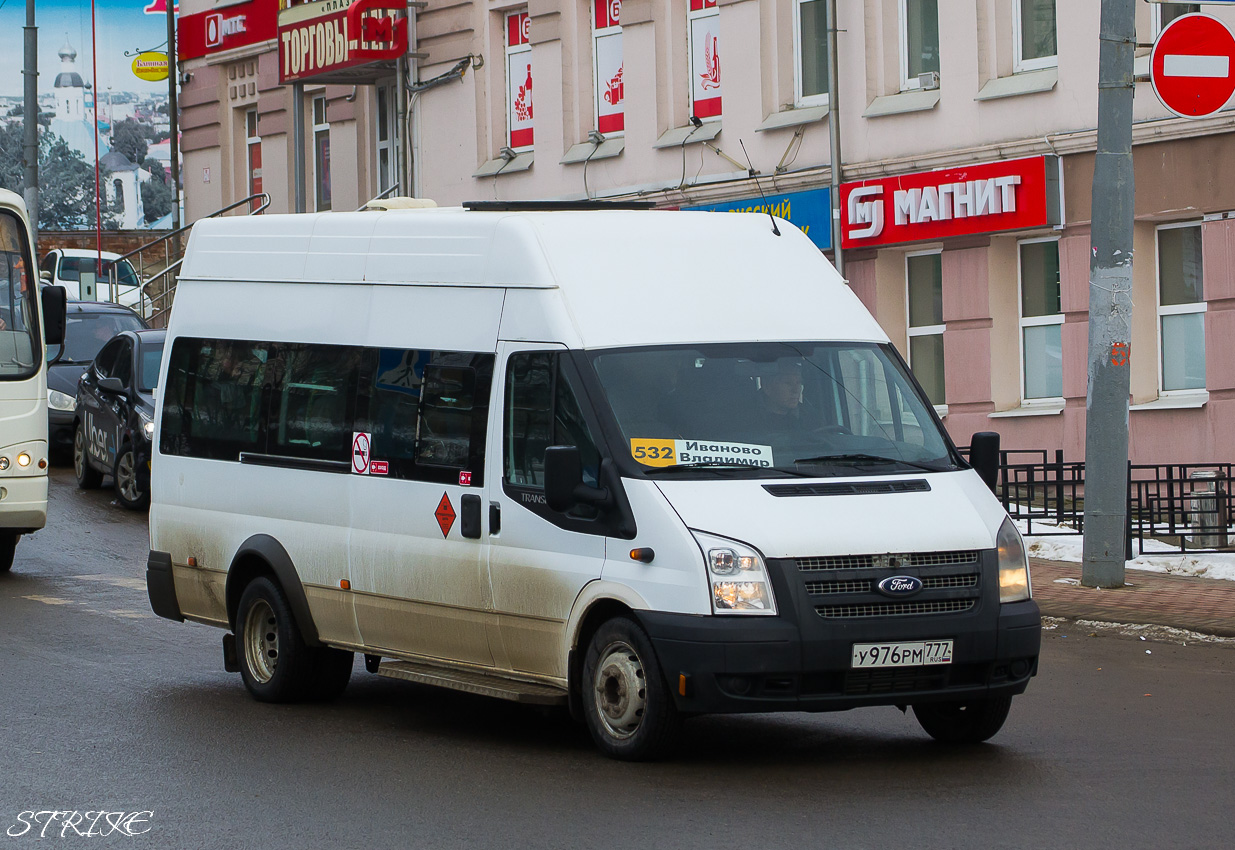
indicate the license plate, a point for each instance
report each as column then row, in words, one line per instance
column 909, row 654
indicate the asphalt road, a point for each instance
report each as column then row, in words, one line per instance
column 1119, row 743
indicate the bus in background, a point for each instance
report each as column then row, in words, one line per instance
column 27, row 321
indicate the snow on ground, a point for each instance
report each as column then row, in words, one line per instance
column 1158, row 557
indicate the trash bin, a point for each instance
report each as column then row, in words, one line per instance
column 1207, row 515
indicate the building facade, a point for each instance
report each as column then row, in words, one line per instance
column 967, row 137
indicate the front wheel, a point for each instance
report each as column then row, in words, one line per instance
column 88, row 478
column 8, row 546
column 628, row 708
column 969, row 722
column 129, row 490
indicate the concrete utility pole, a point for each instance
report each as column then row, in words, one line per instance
column 1110, row 304
column 173, row 107
column 834, row 132
column 30, row 121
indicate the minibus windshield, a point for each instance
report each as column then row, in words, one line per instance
column 20, row 349
column 814, row 408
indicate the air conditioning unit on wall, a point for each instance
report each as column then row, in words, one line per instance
column 928, row 80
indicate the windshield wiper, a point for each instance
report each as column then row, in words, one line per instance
column 858, row 458
column 709, row 466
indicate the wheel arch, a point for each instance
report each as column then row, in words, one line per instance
column 262, row 555
column 599, row 602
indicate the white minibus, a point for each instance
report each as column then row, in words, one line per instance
column 23, row 378
column 642, row 464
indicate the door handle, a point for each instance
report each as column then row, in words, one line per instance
column 469, row 516
column 495, row 518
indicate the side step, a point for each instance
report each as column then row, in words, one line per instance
column 530, row 693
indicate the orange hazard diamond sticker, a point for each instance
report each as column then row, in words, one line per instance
column 445, row 515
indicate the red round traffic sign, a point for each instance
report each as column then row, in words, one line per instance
column 1193, row 66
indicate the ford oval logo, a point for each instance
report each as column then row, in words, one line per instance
column 900, row 586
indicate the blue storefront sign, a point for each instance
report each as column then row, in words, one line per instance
column 810, row 211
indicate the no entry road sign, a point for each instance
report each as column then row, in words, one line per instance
column 1193, row 66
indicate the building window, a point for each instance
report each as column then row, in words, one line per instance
column 924, row 282
column 703, row 21
column 1041, row 320
column 387, row 139
column 1181, row 307
column 253, row 152
column 1033, row 34
column 607, row 66
column 1164, row 13
column 321, row 154
column 919, row 34
column 519, row 81
column 810, row 47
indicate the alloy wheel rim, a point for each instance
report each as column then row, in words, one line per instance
column 621, row 690
column 126, row 477
column 261, row 641
column 79, row 454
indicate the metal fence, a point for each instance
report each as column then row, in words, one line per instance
column 1179, row 507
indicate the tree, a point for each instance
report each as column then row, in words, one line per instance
column 156, row 196
column 129, row 138
column 66, row 180
column 155, row 168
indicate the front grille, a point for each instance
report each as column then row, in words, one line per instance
column 865, row 562
column 895, row 680
column 817, row 588
column 894, row 609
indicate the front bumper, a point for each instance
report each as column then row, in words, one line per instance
column 24, row 502
column 60, row 429
column 800, row 661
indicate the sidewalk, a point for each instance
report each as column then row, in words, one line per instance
column 1185, row 602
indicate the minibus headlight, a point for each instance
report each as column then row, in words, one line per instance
column 737, row 577
column 1013, row 564
column 57, row 400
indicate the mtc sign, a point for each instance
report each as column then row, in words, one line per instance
column 992, row 197
column 1193, row 66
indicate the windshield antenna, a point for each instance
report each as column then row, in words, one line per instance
column 775, row 229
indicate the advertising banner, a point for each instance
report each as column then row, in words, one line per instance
column 204, row 33
column 315, row 42
column 811, row 212
column 519, row 80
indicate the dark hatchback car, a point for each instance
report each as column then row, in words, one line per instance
column 90, row 325
column 115, row 416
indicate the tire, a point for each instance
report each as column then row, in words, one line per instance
column 274, row 662
column 127, row 481
column 88, row 478
column 963, row 722
column 628, row 708
column 8, row 546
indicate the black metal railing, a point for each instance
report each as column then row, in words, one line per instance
column 1179, row 507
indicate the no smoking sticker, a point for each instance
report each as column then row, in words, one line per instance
column 361, row 441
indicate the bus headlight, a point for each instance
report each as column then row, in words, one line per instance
column 1013, row 564
column 23, row 460
column 57, row 400
column 737, row 577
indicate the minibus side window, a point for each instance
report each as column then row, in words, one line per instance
column 393, row 407
column 312, row 400
column 542, row 410
column 213, row 400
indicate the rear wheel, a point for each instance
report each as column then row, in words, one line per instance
column 8, row 545
column 970, row 722
column 129, row 489
column 628, row 708
column 274, row 662
column 88, row 478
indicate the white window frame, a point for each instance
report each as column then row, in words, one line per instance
column 386, row 92
column 597, row 93
column 322, row 127
column 1156, row 11
column 1019, row 63
column 1024, row 321
column 908, row 83
column 1201, row 306
column 923, row 330
column 800, row 99
column 250, row 139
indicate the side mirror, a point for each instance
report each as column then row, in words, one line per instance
column 111, row 385
column 54, row 300
column 984, row 457
column 564, row 487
